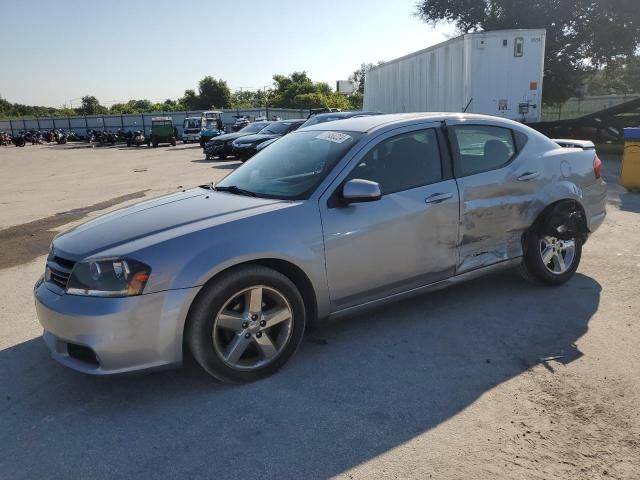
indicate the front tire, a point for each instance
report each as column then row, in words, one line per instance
column 246, row 324
column 550, row 260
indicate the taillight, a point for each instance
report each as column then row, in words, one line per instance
column 597, row 167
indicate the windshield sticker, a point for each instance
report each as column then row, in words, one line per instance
column 335, row 137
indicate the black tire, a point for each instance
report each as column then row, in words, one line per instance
column 212, row 298
column 128, row 143
column 533, row 268
column 173, row 141
column 222, row 157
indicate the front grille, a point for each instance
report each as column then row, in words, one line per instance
column 59, row 270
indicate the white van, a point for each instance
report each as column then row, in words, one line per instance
column 191, row 129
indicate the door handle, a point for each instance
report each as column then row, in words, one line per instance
column 525, row 177
column 438, row 197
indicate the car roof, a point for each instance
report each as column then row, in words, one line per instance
column 365, row 124
column 343, row 114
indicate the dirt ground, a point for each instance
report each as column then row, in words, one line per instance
column 495, row 378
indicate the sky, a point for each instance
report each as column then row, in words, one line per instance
column 53, row 53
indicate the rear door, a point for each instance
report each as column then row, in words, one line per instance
column 498, row 184
column 406, row 239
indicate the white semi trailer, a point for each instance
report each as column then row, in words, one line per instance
column 495, row 73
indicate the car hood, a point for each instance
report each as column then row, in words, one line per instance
column 161, row 218
column 230, row 136
column 257, row 138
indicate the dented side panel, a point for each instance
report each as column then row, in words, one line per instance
column 496, row 209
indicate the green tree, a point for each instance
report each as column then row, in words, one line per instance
column 297, row 90
column 91, row 106
column 621, row 76
column 581, row 34
column 356, row 99
column 190, row 99
column 213, row 93
column 250, row 98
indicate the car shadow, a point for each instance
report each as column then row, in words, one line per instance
column 356, row 389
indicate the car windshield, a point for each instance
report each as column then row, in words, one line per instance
column 192, row 123
column 254, row 127
column 292, row 167
column 276, row 128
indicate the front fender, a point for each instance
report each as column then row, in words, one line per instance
column 292, row 234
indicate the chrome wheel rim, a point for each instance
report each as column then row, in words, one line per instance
column 252, row 328
column 557, row 255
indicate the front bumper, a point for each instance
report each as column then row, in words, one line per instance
column 244, row 151
column 103, row 336
column 191, row 137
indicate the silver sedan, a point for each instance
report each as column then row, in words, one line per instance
column 330, row 220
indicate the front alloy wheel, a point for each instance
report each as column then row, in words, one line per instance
column 252, row 328
column 246, row 323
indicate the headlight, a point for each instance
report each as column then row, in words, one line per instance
column 108, row 278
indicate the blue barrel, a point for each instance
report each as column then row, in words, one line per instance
column 632, row 133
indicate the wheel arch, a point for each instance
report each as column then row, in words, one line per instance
column 290, row 270
column 571, row 207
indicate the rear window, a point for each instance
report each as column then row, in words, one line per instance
column 483, row 148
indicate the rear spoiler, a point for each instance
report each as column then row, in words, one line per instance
column 583, row 144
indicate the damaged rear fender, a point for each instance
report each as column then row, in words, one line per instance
column 565, row 219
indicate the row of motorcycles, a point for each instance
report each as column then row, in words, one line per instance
column 94, row 137
column 35, row 137
column 104, row 137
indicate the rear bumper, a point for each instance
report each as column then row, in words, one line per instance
column 103, row 336
column 595, row 204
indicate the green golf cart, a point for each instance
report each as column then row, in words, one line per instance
column 162, row 131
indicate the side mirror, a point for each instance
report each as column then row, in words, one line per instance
column 358, row 191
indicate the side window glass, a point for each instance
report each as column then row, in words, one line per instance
column 483, row 148
column 402, row 162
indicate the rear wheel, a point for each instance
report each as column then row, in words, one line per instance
column 246, row 325
column 173, row 141
column 549, row 259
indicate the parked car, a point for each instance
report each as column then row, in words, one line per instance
column 240, row 123
column 333, row 116
column 330, row 220
column 246, row 147
column 317, row 111
column 321, row 118
column 221, row 146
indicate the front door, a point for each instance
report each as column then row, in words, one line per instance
column 406, row 239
